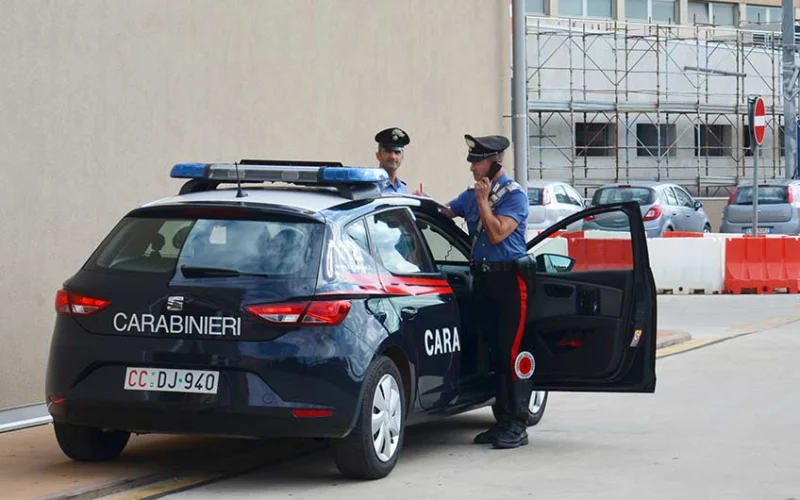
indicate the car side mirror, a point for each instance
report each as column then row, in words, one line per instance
column 554, row 263
column 587, row 202
column 698, row 205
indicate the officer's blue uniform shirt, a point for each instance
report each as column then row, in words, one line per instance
column 398, row 187
column 513, row 204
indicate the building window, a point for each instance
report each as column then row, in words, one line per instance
column 655, row 140
column 698, row 12
column 762, row 15
column 586, row 8
column 595, row 139
column 716, row 13
column 655, row 10
column 712, row 140
column 534, row 7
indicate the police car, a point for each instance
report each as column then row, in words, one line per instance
column 291, row 299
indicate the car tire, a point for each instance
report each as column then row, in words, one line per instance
column 90, row 444
column 536, row 407
column 367, row 453
column 707, row 228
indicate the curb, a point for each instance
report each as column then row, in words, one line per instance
column 666, row 338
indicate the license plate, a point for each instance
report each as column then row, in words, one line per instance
column 761, row 230
column 171, row 380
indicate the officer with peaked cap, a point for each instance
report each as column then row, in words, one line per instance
column 391, row 144
column 496, row 211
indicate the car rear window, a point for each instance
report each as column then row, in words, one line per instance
column 535, row 196
column 767, row 195
column 642, row 195
column 158, row 245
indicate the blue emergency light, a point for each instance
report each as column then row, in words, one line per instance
column 295, row 172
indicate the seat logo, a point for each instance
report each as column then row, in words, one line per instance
column 175, row 303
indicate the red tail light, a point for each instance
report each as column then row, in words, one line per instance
column 789, row 194
column 72, row 304
column 546, row 197
column 733, row 195
column 590, row 218
column 324, row 312
column 653, row 214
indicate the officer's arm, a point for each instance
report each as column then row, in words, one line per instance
column 497, row 227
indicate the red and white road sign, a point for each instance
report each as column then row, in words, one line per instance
column 758, row 120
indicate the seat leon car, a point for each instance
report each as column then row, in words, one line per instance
column 292, row 299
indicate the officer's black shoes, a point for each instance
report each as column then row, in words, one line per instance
column 513, row 436
column 488, row 437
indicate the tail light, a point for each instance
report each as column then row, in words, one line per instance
column 546, row 197
column 789, row 195
column 73, row 304
column 590, row 218
column 732, row 196
column 653, row 214
column 324, row 312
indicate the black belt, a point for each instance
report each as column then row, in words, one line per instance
column 494, row 267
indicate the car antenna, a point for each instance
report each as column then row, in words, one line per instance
column 239, row 192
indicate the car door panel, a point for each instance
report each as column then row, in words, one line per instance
column 594, row 330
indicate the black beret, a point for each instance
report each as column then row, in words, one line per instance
column 393, row 138
column 483, row 147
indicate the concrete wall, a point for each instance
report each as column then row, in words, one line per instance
column 99, row 98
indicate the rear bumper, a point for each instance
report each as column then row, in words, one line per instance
column 260, row 383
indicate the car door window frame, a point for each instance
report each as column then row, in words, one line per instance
column 451, row 238
column 688, row 203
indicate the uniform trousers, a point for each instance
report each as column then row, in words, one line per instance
column 500, row 303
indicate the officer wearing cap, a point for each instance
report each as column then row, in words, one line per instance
column 391, row 144
column 496, row 211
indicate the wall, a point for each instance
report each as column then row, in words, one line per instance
column 98, row 99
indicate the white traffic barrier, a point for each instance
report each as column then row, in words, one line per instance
column 687, row 265
column 595, row 234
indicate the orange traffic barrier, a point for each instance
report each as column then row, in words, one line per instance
column 757, row 264
column 681, row 234
column 592, row 254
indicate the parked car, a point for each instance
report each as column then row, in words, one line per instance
column 778, row 208
column 665, row 207
column 551, row 201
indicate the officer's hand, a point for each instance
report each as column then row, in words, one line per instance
column 482, row 189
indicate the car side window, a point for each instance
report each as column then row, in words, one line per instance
column 561, row 195
column 442, row 247
column 358, row 233
column 398, row 246
column 670, row 196
column 683, row 198
column 574, row 196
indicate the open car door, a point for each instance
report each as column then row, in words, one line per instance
column 591, row 309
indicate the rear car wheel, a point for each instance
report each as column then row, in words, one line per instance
column 90, row 444
column 371, row 449
column 536, row 406
column 707, row 228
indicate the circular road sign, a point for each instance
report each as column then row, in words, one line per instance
column 758, row 120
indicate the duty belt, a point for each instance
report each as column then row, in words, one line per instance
column 494, row 267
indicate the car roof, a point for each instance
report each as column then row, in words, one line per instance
column 771, row 182
column 642, row 183
column 300, row 198
column 536, row 183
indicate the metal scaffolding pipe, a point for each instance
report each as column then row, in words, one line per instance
column 789, row 90
column 520, row 98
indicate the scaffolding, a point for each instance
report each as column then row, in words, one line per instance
column 612, row 101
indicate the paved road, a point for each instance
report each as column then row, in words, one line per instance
column 722, row 424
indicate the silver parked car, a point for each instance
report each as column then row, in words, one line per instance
column 665, row 207
column 551, row 201
column 778, row 208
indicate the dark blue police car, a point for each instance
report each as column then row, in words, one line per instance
column 303, row 303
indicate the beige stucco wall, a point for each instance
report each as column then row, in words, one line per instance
column 98, row 98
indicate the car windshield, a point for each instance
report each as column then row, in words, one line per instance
column 619, row 194
column 767, row 195
column 212, row 247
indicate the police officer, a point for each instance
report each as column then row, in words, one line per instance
column 391, row 144
column 496, row 211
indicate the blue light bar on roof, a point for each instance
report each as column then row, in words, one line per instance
column 297, row 174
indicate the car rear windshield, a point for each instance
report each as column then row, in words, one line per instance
column 643, row 195
column 767, row 195
column 276, row 249
column 535, row 196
